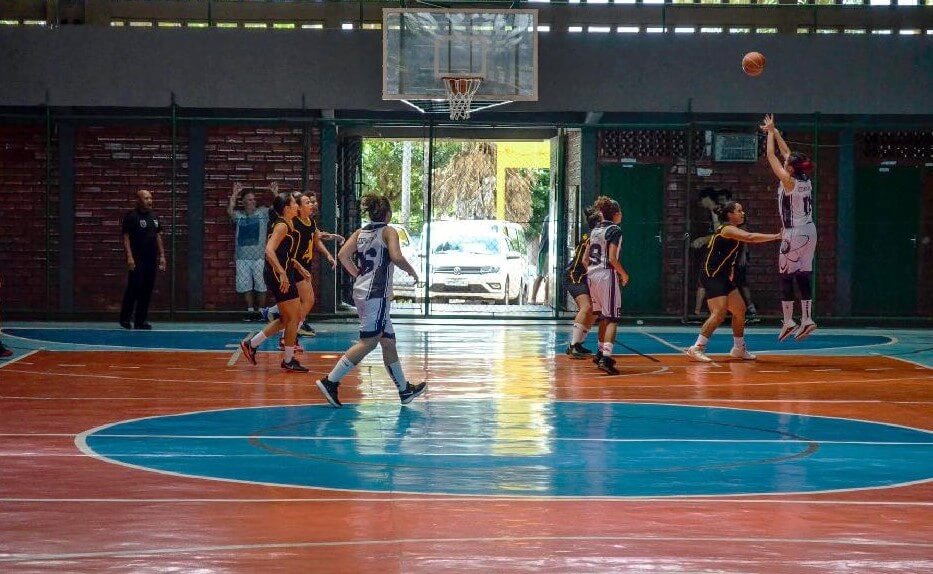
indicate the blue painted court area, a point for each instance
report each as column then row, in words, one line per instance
column 544, row 338
column 560, row 449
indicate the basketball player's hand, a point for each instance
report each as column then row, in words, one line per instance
column 162, row 264
column 237, row 190
column 767, row 124
column 623, row 276
column 130, row 263
column 283, row 282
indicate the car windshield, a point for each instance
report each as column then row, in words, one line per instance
column 463, row 243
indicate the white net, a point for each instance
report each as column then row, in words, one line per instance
column 460, row 91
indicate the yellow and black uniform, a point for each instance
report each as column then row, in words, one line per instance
column 305, row 247
column 575, row 273
column 719, row 266
column 284, row 253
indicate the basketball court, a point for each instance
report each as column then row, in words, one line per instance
column 165, row 450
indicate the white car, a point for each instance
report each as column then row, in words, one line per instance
column 403, row 286
column 484, row 260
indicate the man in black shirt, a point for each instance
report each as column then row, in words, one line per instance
column 142, row 241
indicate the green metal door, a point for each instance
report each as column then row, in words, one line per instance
column 887, row 219
column 639, row 190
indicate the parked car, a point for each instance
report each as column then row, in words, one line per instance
column 485, row 260
column 403, row 286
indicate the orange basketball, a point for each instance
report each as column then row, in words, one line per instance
column 753, row 63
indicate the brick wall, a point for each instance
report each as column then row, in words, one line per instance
column 23, row 218
column 255, row 156
column 111, row 164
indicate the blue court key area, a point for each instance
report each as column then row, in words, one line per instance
column 524, row 448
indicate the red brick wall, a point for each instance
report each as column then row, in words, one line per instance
column 23, row 218
column 254, row 155
column 111, row 164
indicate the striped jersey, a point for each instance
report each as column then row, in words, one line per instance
column 372, row 259
column 796, row 208
column 575, row 272
column 602, row 236
column 305, row 247
column 721, row 255
column 287, row 249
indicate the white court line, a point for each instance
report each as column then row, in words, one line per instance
column 881, row 369
column 504, row 440
column 231, row 345
column 70, row 365
column 919, row 379
column 825, row 370
column 485, row 539
column 773, row 371
column 454, row 499
column 393, row 399
column 18, row 359
column 675, row 347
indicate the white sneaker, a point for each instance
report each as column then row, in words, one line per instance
column 698, row 354
column 742, row 353
column 806, row 329
column 787, row 329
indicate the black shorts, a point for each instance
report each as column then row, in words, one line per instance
column 272, row 283
column 740, row 276
column 716, row 286
column 577, row 289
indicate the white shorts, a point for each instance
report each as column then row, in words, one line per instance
column 249, row 275
column 606, row 294
column 798, row 245
column 374, row 318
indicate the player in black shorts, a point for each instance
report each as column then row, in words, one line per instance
column 309, row 241
column 718, row 275
column 577, row 287
column 282, row 274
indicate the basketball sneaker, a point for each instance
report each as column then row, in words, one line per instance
column 410, row 392
column 294, row 366
column 305, row 330
column 597, row 357
column 742, row 353
column 577, row 351
column 806, row 329
column 248, row 351
column 608, row 365
column 5, row 352
column 328, row 388
column 787, row 329
column 698, row 354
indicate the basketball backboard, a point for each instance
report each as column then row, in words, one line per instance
column 421, row 46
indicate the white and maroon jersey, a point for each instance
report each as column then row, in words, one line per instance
column 796, row 207
column 602, row 236
column 372, row 259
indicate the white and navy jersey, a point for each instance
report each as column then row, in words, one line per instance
column 372, row 259
column 602, row 236
column 796, row 208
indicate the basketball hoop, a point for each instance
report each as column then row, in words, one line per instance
column 460, row 91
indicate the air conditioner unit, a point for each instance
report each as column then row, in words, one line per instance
column 735, row 147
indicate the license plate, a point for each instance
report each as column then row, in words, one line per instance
column 457, row 282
